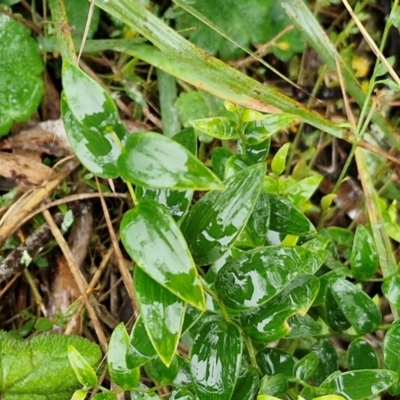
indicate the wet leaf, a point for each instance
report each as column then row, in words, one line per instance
column 141, row 349
column 157, row 371
column 246, row 385
column 356, row 305
column 302, row 326
column 302, row 191
column 276, row 385
column 286, row 218
column 153, row 240
column 21, row 87
column 361, row 355
column 359, row 385
column 278, row 163
column 334, row 315
column 118, row 349
column 260, row 130
column 391, row 290
column 216, row 220
column 364, row 258
column 162, row 314
column 153, row 160
column 214, row 369
column 219, row 158
column 306, row 368
column 91, row 122
column 328, row 360
column 219, row 127
column 181, row 394
column 84, row 372
column 391, row 355
column 257, row 225
column 268, row 322
column 255, row 277
column 235, row 164
column 273, row 361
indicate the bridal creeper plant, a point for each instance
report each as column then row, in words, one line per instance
column 239, row 276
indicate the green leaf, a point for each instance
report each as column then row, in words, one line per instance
column 391, row 355
column 364, row 258
column 21, row 87
column 219, row 158
column 84, row 372
column 118, row 350
column 286, row 218
column 359, row 385
column 258, row 131
column 80, row 394
column 306, row 368
column 302, row 191
column 278, row 163
column 302, row 326
column 247, row 23
column 77, row 14
column 256, row 152
column 356, row 305
column 328, row 360
column 153, row 160
column 39, row 369
column 181, row 394
column 334, row 315
column 214, row 369
column 257, row 225
column 153, row 240
column 218, row 127
column 157, row 371
column 276, row 385
column 391, row 290
column 247, row 384
column 91, row 122
column 235, row 164
column 141, row 349
column 176, row 202
column 216, row 220
column 269, row 322
column 361, row 355
column 273, row 361
column 162, row 314
column 258, row 275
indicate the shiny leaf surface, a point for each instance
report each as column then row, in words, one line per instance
column 268, row 322
column 257, row 225
column 286, row 218
column 258, row 275
column 260, row 130
column 364, row 258
column 273, row 361
column 359, row 385
column 125, row 377
column 246, row 385
column 302, row 326
column 256, row 152
column 91, row 121
column 219, row 158
column 215, row 221
column 356, row 305
column 141, row 349
column 334, row 315
column 306, row 368
column 391, row 355
column 162, row 314
column 361, row 355
column 276, row 385
column 278, row 163
column 152, row 238
column 328, row 360
column 84, row 372
column 98, row 152
column 218, row 127
column 214, row 369
column 157, row 371
column 153, row 160
column 391, row 290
